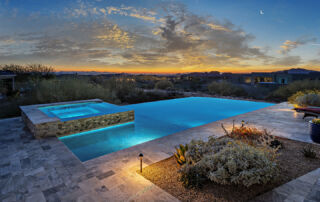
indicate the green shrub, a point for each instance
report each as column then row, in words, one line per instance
column 306, row 98
column 164, row 85
column 284, row 92
column 225, row 88
column 226, row 161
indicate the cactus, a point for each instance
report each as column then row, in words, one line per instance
column 180, row 154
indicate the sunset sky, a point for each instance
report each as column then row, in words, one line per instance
column 161, row 36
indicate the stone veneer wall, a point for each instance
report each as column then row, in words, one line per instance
column 59, row 128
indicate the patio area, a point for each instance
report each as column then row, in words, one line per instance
column 46, row 170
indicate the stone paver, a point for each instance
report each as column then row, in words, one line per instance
column 46, row 170
column 304, row 188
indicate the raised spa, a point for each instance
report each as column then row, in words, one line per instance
column 60, row 119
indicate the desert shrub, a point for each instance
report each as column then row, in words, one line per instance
column 164, row 85
column 306, row 98
column 239, row 164
column 125, row 89
column 258, row 92
column 9, row 109
column 118, row 90
column 198, row 148
column 149, row 85
column 227, row 161
column 284, row 92
column 58, row 90
column 3, row 88
column 32, row 71
column 191, row 176
column 226, row 89
column 309, row 152
column 276, row 144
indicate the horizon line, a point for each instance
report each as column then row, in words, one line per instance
column 173, row 73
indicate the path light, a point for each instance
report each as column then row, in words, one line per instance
column 141, row 157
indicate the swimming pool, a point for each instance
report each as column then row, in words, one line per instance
column 154, row 120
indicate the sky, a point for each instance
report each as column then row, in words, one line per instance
column 157, row 36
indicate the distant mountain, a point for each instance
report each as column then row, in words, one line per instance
column 298, row 71
column 92, row 73
column 212, row 73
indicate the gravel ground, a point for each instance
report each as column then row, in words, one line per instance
column 292, row 165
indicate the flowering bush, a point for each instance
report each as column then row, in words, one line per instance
column 316, row 121
column 250, row 135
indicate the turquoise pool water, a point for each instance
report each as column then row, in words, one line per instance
column 154, row 120
column 68, row 112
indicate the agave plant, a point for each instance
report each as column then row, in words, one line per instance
column 180, row 154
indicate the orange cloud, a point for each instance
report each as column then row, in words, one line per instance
column 119, row 36
column 218, row 27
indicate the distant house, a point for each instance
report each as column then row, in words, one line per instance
column 199, row 75
column 281, row 77
column 8, row 78
column 269, row 78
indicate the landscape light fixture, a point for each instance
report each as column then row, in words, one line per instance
column 141, row 157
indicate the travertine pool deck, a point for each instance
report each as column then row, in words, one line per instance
column 46, row 170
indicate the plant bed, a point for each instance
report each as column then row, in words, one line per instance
column 292, row 164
